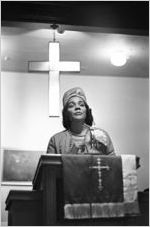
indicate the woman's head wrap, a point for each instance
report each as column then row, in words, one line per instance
column 76, row 91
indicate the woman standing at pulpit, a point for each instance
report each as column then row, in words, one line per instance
column 79, row 136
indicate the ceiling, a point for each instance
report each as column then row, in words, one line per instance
column 83, row 36
column 111, row 14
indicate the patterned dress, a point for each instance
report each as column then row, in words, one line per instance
column 96, row 140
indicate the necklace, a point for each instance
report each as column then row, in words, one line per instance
column 78, row 141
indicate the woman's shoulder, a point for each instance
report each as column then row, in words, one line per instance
column 59, row 134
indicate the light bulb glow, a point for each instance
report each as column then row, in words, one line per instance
column 118, row 58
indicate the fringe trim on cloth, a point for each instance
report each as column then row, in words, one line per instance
column 100, row 210
column 104, row 210
column 77, row 211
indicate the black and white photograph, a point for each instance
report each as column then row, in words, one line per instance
column 74, row 113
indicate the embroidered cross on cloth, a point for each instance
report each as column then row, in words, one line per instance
column 97, row 186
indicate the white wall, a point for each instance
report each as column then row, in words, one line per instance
column 25, row 122
column 119, row 105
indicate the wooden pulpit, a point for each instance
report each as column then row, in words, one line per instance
column 43, row 205
column 48, row 179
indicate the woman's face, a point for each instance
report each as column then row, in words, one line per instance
column 76, row 109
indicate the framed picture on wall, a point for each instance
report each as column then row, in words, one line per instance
column 18, row 166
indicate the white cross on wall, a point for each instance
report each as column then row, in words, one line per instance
column 54, row 66
column 99, row 168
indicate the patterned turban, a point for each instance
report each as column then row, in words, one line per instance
column 76, row 91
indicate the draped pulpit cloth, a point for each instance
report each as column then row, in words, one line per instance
column 97, row 186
